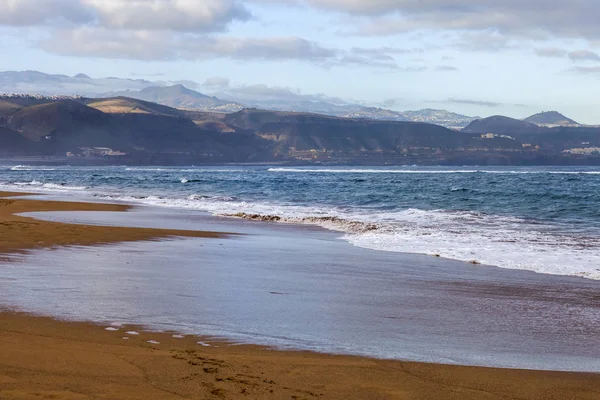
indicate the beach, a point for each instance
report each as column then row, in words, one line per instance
column 46, row 358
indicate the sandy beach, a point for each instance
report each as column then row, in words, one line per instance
column 45, row 358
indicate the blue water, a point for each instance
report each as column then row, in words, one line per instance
column 536, row 218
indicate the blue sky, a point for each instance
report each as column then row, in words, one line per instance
column 480, row 57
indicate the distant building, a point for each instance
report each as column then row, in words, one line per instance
column 100, row 152
column 494, row 136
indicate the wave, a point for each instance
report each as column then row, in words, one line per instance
column 48, row 186
column 147, row 169
column 186, row 180
column 407, row 171
column 31, row 168
column 478, row 238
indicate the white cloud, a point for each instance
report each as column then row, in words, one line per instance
column 531, row 18
column 575, row 55
column 36, row 12
column 173, row 15
column 216, row 82
column 584, row 55
column 154, row 45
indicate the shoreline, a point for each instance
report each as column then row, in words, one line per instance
column 26, row 233
column 43, row 355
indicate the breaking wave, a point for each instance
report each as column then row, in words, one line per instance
column 47, row 186
column 478, row 238
column 31, row 168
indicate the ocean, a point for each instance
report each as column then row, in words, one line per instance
column 371, row 283
column 542, row 219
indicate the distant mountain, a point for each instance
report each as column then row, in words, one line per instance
column 35, row 82
column 440, row 117
column 500, row 125
column 125, row 130
column 178, row 96
column 551, row 119
column 231, row 100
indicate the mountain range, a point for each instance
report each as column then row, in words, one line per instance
column 124, row 130
column 179, row 95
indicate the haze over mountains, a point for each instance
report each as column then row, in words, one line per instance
column 181, row 95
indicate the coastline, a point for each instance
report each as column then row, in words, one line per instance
column 25, row 233
column 79, row 360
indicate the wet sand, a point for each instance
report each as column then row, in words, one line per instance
column 44, row 358
column 20, row 233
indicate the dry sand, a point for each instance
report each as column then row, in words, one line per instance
column 41, row 358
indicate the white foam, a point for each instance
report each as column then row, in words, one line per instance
column 425, row 171
column 503, row 241
column 111, row 328
column 132, row 333
column 152, row 342
column 145, row 169
column 184, row 180
column 370, row 171
column 204, row 344
column 31, row 168
column 178, row 336
column 54, row 187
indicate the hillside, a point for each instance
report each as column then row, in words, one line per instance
column 556, row 139
column 500, row 125
column 12, row 142
column 178, row 96
column 131, row 131
column 9, row 104
column 61, row 117
column 550, row 119
column 301, row 132
column 125, row 105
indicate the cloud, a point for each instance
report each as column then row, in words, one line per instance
column 445, row 68
column 260, row 93
column 149, row 45
column 172, row 15
column 473, row 102
column 380, row 57
column 586, row 70
column 551, row 52
column 532, row 18
column 35, row 12
column 575, row 55
column 154, row 45
column 216, row 82
column 584, row 55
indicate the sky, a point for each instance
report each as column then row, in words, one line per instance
column 475, row 57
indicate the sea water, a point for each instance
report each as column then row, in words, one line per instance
column 543, row 219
